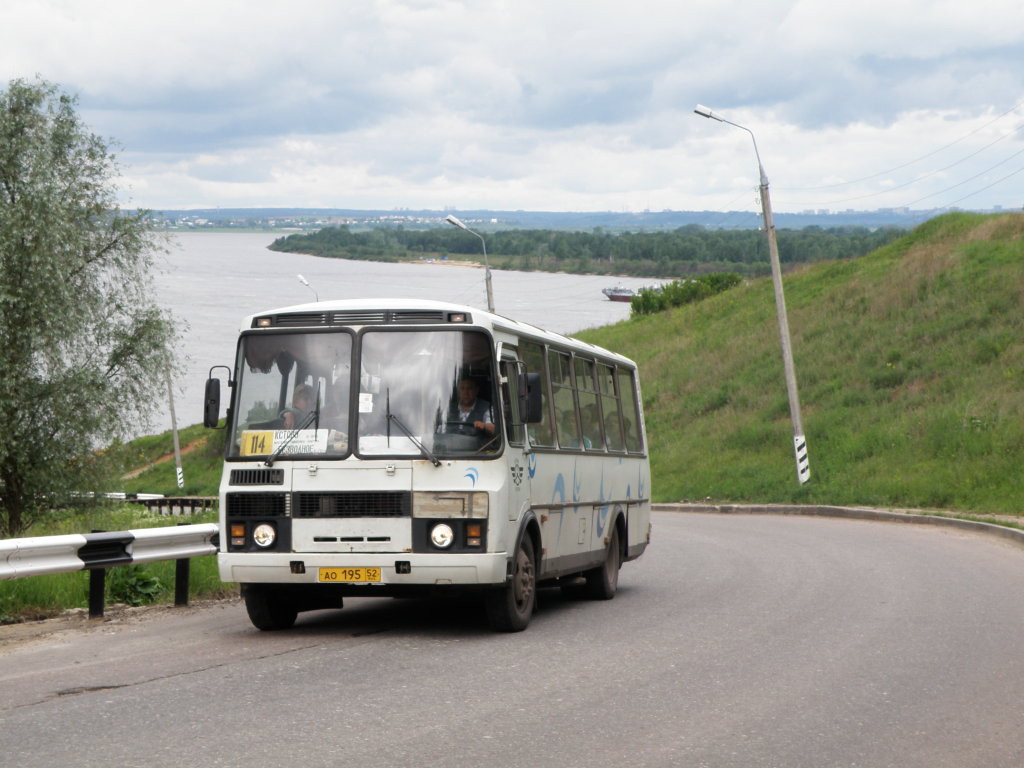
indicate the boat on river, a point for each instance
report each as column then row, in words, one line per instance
column 619, row 293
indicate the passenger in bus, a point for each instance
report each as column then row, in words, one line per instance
column 591, row 426
column 302, row 404
column 469, row 414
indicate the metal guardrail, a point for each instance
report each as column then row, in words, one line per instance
column 168, row 505
column 95, row 552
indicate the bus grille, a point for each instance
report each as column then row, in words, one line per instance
column 300, row 319
column 257, row 477
column 257, row 505
column 367, row 317
column 352, row 504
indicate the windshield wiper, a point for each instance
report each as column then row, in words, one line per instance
column 408, row 433
column 313, row 416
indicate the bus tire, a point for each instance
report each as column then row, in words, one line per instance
column 510, row 607
column 268, row 609
column 603, row 581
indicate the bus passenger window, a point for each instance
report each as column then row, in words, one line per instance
column 630, row 419
column 541, row 434
column 610, row 408
column 564, row 400
column 590, row 415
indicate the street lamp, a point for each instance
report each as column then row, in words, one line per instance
column 305, row 282
column 487, row 267
column 803, row 467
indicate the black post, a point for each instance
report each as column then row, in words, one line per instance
column 181, row 574
column 97, row 587
column 181, row 571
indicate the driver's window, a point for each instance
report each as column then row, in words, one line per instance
column 510, row 401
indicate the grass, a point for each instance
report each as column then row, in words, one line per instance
column 910, row 364
column 153, row 457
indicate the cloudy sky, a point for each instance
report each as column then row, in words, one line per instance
column 560, row 105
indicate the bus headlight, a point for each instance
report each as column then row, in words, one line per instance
column 442, row 535
column 264, row 535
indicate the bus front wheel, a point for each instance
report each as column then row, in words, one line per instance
column 510, row 608
column 269, row 609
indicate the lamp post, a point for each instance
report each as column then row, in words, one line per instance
column 487, row 267
column 803, row 467
column 305, row 282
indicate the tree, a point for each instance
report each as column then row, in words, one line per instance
column 83, row 343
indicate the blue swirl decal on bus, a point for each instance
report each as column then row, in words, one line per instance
column 473, row 474
column 559, row 489
column 602, row 511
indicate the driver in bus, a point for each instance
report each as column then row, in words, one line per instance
column 470, row 415
column 302, row 404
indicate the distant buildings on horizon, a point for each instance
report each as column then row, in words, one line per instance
column 307, row 219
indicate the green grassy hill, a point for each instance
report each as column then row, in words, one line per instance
column 910, row 365
column 202, row 458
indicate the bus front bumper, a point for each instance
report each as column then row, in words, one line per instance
column 395, row 569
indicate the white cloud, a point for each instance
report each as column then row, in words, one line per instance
column 529, row 104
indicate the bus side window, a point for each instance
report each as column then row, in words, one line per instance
column 541, row 434
column 562, row 394
column 590, row 415
column 630, row 406
column 510, row 401
column 610, row 408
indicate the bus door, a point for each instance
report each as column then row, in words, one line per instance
column 516, row 452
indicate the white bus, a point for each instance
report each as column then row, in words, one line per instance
column 398, row 447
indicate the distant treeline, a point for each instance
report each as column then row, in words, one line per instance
column 689, row 250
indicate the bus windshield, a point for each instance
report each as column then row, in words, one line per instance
column 406, row 393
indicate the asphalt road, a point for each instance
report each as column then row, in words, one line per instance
column 737, row 640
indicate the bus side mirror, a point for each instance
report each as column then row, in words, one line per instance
column 211, row 403
column 211, row 399
column 530, row 408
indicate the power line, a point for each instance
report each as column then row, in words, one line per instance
column 989, row 186
column 972, row 178
column 890, row 190
column 919, row 159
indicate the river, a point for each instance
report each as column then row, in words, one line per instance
column 210, row 281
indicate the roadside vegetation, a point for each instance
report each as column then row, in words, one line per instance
column 680, row 292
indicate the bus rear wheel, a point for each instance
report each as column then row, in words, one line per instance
column 510, row 608
column 603, row 581
column 269, row 609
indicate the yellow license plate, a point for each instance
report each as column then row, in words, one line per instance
column 348, row 575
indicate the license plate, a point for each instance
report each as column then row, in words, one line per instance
column 348, row 575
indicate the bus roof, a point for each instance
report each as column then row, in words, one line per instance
column 360, row 312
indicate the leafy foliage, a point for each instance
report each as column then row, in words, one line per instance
column 132, row 585
column 680, row 292
column 82, row 342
